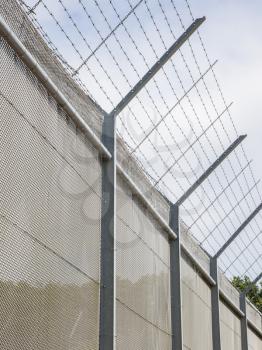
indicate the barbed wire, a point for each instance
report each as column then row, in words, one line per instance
column 224, row 101
column 138, row 76
column 131, row 39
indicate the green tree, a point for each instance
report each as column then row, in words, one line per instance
column 255, row 292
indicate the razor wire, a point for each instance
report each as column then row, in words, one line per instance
column 177, row 125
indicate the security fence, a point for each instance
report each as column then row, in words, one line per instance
column 99, row 246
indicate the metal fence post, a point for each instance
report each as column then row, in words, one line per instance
column 243, row 321
column 243, row 308
column 175, row 281
column 175, row 260
column 107, row 289
column 215, row 312
column 215, row 289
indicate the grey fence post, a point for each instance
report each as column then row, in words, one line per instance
column 175, row 251
column 215, row 289
column 216, row 339
column 243, row 308
column 243, row 321
column 175, row 281
column 108, row 224
column 108, row 227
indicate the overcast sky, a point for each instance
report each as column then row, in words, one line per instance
column 233, row 34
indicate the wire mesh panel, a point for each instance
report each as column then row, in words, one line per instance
column 50, row 219
column 142, row 278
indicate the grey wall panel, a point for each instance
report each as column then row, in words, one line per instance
column 193, row 246
column 196, row 309
column 228, row 289
column 32, row 198
column 254, row 342
column 136, row 333
column 50, row 213
column 138, row 218
column 45, row 303
column 253, row 315
column 143, row 278
column 230, row 329
column 22, row 89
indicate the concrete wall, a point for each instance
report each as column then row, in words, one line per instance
column 143, row 276
column 230, row 329
column 254, row 316
column 196, row 306
column 50, row 199
column 50, row 249
column 254, row 341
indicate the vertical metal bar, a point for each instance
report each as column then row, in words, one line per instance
column 175, row 281
column 216, row 339
column 215, row 289
column 243, row 308
column 243, row 322
column 108, row 227
column 175, row 264
column 107, row 288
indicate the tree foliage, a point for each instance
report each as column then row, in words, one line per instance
column 255, row 292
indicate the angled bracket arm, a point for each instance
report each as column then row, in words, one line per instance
column 215, row 291
column 254, row 282
column 238, row 231
column 157, row 66
column 203, row 177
